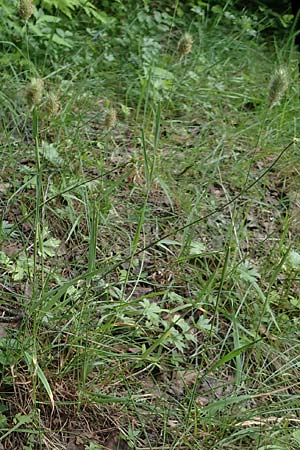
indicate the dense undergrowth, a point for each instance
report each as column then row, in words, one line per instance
column 150, row 211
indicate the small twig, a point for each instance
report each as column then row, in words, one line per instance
column 13, row 315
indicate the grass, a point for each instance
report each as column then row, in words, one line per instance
column 149, row 242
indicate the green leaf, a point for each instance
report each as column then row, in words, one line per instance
column 3, row 421
column 248, row 272
column 217, row 9
column 61, row 41
column 92, row 446
column 177, row 339
column 233, row 354
column 175, row 298
column 180, row 322
column 296, row 435
column 295, row 302
column 50, row 247
column 92, row 11
column 18, row 273
column 35, row 30
column 294, row 260
column 22, row 419
column 65, row 6
column 152, row 311
column 33, row 365
column 22, row 266
column 203, row 323
column 162, row 78
column 49, row 152
column 4, row 260
column 197, row 248
column 48, row 19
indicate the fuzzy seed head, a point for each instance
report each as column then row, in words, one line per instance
column 185, row 45
column 278, row 85
column 26, row 9
column 111, row 118
column 52, row 104
column 34, row 91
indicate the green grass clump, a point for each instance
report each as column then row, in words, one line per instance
column 150, row 250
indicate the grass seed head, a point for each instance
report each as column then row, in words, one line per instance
column 52, row 104
column 34, row 91
column 26, row 9
column 185, row 45
column 111, row 118
column 278, row 85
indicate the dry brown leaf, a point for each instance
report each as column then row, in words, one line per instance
column 173, row 423
column 3, row 327
column 259, row 421
column 202, row 401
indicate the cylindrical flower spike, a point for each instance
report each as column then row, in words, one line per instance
column 185, row 45
column 26, row 9
column 278, row 85
column 52, row 104
column 34, row 91
column 111, row 118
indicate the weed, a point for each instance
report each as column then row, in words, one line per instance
column 149, row 248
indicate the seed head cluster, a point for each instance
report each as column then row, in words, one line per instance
column 52, row 104
column 34, row 92
column 278, row 85
column 111, row 118
column 185, row 45
column 26, row 9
